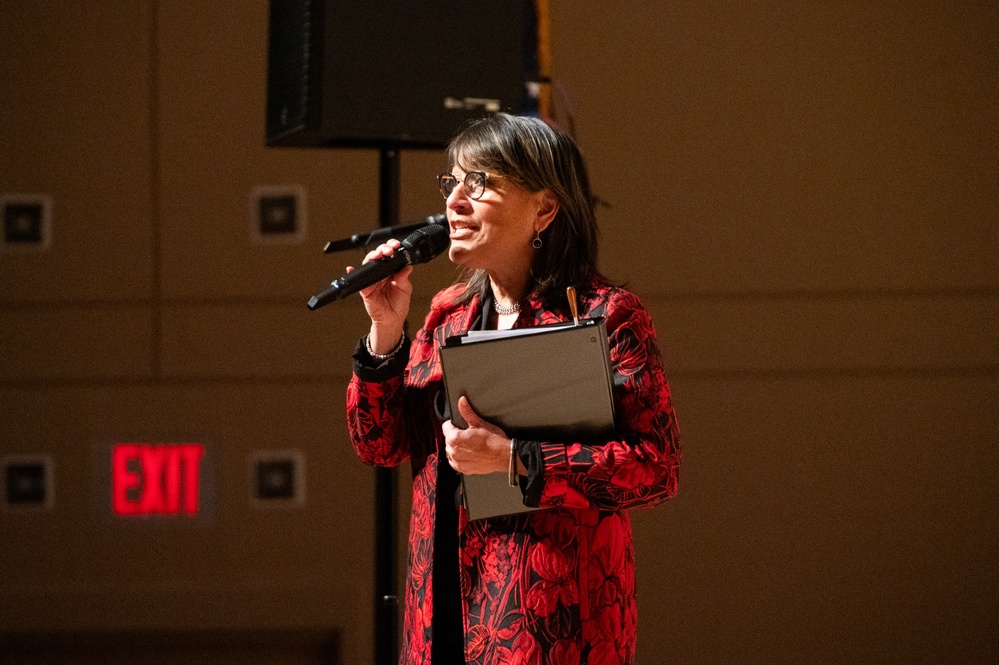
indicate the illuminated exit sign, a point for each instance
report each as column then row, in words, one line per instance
column 157, row 479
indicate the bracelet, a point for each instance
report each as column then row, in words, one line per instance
column 512, row 474
column 386, row 356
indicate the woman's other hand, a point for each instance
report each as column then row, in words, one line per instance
column 480, row 448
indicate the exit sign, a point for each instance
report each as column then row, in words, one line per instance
column 161, row 479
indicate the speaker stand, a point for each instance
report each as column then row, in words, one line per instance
column 386, row 491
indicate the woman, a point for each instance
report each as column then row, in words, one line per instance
column 547, row 586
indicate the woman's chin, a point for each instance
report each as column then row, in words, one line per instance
column 459, row 255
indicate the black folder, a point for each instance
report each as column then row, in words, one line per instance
column 549, row 383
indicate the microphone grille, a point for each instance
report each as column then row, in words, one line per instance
column 428, row 242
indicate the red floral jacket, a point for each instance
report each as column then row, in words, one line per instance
column 553, row 586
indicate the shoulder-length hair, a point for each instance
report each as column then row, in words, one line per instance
column 537, row 157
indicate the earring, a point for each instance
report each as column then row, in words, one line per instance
column 536, row 243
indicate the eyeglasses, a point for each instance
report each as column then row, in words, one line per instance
column 474, row 182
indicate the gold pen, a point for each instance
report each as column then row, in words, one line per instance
column 570, row 293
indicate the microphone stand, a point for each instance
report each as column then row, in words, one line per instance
column 386, row 487
column 373, row 237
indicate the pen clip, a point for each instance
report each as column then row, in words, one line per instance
column 570, row 293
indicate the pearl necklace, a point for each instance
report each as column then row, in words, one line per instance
column 501, row 310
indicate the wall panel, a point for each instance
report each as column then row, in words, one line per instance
column 76, row 122
column 774, row 147
column 240, row 341
column 249, row 342
column 845, row 333
column 826, row 519
column 76, row 343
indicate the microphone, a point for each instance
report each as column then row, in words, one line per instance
column 381, row 234
column 419, row 247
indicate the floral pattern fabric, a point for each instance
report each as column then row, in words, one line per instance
column 547, row 587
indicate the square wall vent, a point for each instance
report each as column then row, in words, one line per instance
column 277, row 478
column 27, row 483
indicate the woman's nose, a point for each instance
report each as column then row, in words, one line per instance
column 457, row 197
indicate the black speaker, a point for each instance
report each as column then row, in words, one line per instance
column 404, row 73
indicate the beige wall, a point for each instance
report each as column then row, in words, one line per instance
column 806, row 197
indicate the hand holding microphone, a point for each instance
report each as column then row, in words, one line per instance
column 387, row 301
column 420, row 246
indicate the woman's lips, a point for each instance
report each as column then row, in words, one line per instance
column 460, row 230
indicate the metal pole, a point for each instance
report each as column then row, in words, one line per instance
column 386, row 499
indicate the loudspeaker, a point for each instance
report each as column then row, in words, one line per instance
column 404, row 73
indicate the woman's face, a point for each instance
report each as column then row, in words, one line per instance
column 494, row 232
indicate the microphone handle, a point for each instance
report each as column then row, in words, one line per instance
column 370, row 273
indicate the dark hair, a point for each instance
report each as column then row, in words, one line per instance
column 537, row 157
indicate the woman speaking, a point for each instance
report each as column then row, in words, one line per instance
column 555, row 585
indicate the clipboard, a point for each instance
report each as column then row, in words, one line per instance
column 548, row 383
